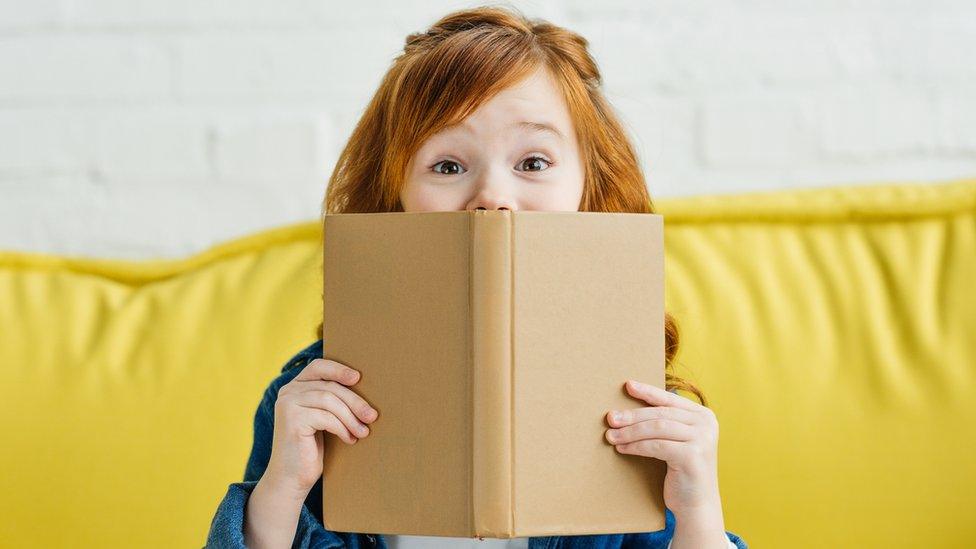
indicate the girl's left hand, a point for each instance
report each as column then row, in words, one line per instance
column 676, row 430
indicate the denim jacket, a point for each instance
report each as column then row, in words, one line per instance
column 227, row 526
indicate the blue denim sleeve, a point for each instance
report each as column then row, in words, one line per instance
column 227, row 526
column 738, row 541
column 661, row 539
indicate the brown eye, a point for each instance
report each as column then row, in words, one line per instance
column 451, row 171
column 536, row 161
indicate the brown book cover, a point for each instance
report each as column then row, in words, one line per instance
column 493, row 343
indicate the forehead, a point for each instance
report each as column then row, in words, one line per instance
column 535, row 99
column 537, row 87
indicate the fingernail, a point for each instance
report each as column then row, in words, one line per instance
column 617, row 416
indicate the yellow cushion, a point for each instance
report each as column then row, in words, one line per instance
column 832, row 330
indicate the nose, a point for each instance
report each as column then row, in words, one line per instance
column 492, row 194
column 486, row 202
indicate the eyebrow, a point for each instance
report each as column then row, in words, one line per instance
column 525, row 124
column 539, row 127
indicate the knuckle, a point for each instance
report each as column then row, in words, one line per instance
column 711, row 441
column 325, row 367
column 712, row 419
column 334, row 422
column 330, row 398
column 319, row 366
column 291, row 414
column 334, row 425
column 344, row 434
column 343, row 374
column 282, row 400
column 341, row 434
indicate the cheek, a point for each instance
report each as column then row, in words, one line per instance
column 569, row 195
column 425, row 198
column 563, row 197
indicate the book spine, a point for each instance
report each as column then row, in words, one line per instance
column 492, row 514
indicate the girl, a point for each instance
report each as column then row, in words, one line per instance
column 487, row 109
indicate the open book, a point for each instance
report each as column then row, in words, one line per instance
column 493, row 343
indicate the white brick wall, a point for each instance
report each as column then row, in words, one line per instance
column 138, row 128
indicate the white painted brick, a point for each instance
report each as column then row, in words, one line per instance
column 53, row 66
column 955, row 118
column 696, row 56
column 873, row 120
column 151, row 148
column 754, row 129
column 187, row 13
column 411, row 16
column 256, row 13
column 662, row 129
column 42, row 141
column 267, row 149
column 185, row 219
column 36, row 13
column 48, row 214
column 817, row 174
column 144, row 222
column 263, row 64
column 629, row 10
column 931, row 46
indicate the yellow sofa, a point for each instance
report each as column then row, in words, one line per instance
column 833, row 330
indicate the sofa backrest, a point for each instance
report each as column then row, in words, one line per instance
column 832, row 330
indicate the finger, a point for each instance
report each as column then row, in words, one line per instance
column 329, row 370
column 665, row 450
column 356, row 403
column 652, row 429
column 657, row 396
column 629, row 417
column 324, row 420
column 327, row 400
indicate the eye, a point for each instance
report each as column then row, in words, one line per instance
column 534, row 161
column 451, row 171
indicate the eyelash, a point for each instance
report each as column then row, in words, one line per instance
column 549, row 164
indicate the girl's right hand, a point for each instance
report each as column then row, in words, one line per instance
column 316, row 400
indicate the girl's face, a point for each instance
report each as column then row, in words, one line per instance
column 517, row 151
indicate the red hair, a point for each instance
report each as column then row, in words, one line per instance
column 445, row 73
